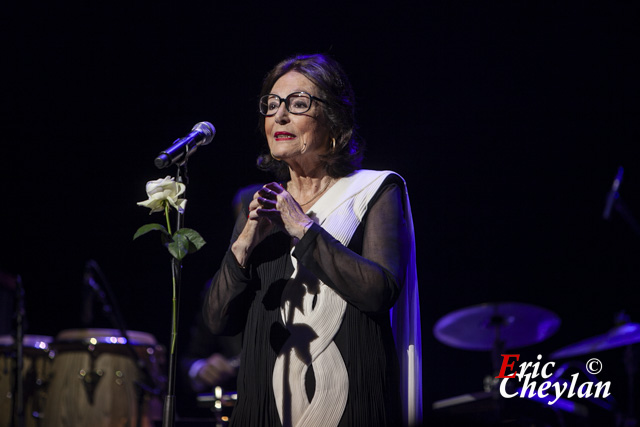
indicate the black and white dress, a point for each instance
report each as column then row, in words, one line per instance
column 318, row 348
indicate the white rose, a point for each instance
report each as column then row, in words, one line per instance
column 161, row 191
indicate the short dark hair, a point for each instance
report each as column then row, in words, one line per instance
column 339, row 109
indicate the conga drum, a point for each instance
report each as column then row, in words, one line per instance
column 36, row 371
column 103, row 379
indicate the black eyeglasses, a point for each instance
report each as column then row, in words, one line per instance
column 296, row 103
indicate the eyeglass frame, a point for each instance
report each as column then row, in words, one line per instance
column 286, row 102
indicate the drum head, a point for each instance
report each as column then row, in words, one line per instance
column 105, row 336
column 32, row 341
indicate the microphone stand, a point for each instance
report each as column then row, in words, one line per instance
column 168, row 416
column 111, row 310
column 621, row 207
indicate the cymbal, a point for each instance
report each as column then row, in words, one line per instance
column 516, row 325
column 622, row 335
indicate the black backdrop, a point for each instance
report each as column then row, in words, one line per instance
column 508, row 121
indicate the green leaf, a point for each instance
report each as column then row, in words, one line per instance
column 179, row 248
column 166, row 239
column 184, row 241
column 195, row 239
column 150, row 227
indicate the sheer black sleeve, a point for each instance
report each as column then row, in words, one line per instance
column 370, row 281
column 226, row 303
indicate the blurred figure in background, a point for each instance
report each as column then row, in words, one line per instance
column 211, row 361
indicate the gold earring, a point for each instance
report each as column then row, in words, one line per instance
column 274, row 157
column 333, row 145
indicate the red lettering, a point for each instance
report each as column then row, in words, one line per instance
column 505, row 365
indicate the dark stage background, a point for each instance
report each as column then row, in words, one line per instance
column 508, row 120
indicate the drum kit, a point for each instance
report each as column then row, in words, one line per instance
column 504, row 326
column 84, row 377
column 88, row 376
column 80, row 377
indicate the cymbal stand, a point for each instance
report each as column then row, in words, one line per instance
column 496, row 322
column 491, row 383
column 18, row 408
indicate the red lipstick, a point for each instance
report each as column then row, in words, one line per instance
column 283, row 136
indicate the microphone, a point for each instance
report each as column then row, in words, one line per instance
column 612, row 195
column 201, row 134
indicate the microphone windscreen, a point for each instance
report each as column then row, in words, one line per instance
column 207, row 130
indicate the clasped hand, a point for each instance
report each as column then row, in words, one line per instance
column 275, row 206
column 272, row 206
